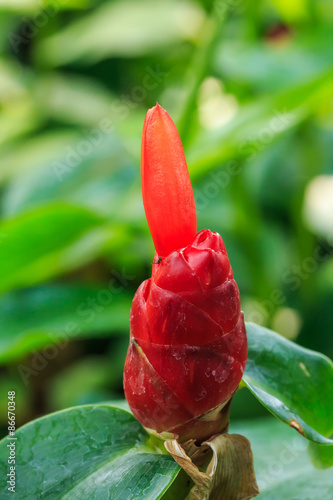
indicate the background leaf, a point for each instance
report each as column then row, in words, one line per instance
column 321, row 456
column 283, row 468
column 55, row 314
column 37, row 245
column 149, row 27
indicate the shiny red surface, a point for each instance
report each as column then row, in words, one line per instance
column 188, row 344
column 166, row 187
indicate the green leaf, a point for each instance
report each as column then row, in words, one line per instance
column 38, row 317
column 291, row 382
column 30, row 6
column 93, row 379
column 282, row 466
column 33, row 153
column 57, row 172
column 267, row 69
column 89, row 452
column 123, row 29
column 40, row 244
column 321, row 456
column 273, row 115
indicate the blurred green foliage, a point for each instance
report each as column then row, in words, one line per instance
column 250, row 86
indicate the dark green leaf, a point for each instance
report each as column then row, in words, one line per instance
column 89, row 452
column 293, row 383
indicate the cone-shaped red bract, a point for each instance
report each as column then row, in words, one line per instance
column 188, row 345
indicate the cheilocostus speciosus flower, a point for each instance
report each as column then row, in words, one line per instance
column 188, row 344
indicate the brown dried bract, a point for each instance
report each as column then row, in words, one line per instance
column 221, row 468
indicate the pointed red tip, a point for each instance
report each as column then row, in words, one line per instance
column 166, row 187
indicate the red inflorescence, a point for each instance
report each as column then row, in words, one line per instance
column 188, row 344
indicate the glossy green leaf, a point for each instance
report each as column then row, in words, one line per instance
column 38, row 317
column 97, row 451
column 44, row 242
column 89, row 452
column 293, row 383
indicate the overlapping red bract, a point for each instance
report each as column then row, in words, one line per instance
column 188, row 345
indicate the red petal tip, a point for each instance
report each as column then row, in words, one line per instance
column 166, row 187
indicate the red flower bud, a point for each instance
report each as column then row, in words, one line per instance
column 188, row 345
